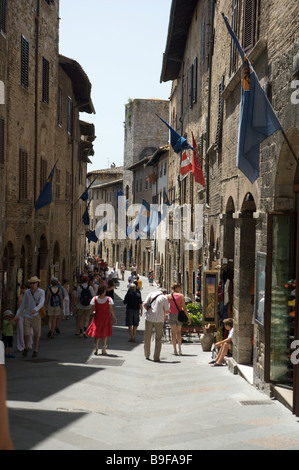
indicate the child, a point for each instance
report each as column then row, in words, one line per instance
column 224, row 345
column 7, row 333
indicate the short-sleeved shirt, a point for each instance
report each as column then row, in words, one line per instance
column 101, row 301
column 158, row 308
column 133, row 300
column 2, row 353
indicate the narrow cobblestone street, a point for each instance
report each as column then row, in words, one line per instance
column 68, row 399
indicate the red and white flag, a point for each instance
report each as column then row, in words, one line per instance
column 196, row 166
column 186, row 166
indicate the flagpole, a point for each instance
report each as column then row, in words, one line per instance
column 289, row 145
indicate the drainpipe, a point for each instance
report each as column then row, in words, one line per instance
column 211, row 42
column 36, row 96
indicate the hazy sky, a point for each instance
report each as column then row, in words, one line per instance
column 120, row 46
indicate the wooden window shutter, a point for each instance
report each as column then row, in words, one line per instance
column 2, row 136
column 218, row 140
column 46, row 80
column 23, row 175
column 24, row 62
column 195, row 68
column 233, row 48
column 249, row 24
column 191, row 86
column 69, row 115
column 59, row 106
column 3, row 16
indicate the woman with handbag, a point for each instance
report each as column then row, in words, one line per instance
column 178, row 315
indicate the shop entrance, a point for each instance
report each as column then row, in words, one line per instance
column 281, row 300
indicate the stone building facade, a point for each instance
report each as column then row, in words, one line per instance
column 144, row 135
column 40, row 124
column 247, row 226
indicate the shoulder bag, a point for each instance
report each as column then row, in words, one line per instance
column 182, row 317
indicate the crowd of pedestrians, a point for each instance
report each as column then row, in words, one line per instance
column 92, row 303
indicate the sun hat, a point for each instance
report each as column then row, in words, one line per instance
column 33, row 279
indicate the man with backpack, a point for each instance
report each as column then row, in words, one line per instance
column 85, row 293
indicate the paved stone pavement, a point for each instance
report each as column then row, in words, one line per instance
column 69, row 399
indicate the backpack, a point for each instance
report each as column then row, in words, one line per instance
column 85, row 296
column 54, row 299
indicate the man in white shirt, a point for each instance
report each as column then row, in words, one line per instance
column 157, row 306
column 33, row 301
column 5, row 440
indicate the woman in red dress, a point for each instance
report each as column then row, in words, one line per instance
column 101, row 326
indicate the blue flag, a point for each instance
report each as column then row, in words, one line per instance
column 85, row 218
column 84, row 196
column 46, row 195
column 91, row 236
column 257, row 117
column 178, row 143
column 119, row 192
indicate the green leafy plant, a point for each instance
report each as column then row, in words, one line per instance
column 195, row 314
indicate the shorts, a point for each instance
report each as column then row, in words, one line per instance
column 132, row 317
column 173, row 319
column 83, row 312
column 34, row 323
column 8, row 341
column 53, row 311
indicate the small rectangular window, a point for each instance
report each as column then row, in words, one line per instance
column 24, row 62
column 23, row 162
column 46, row 80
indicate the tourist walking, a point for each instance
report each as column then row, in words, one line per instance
column 156, row 306
column 85, row 293
column 134, row 311
column 20, row 324
column 7, row 333
column 101, row 325
column 122, row 270
column 54, row 305
column 66, row 299
column 110, row 289
column 177, row 303
column 33, row 301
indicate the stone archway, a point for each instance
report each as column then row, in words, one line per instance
column 244, row 271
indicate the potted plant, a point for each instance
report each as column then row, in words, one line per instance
column 195, row 314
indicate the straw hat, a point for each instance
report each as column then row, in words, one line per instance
column 33, row 279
